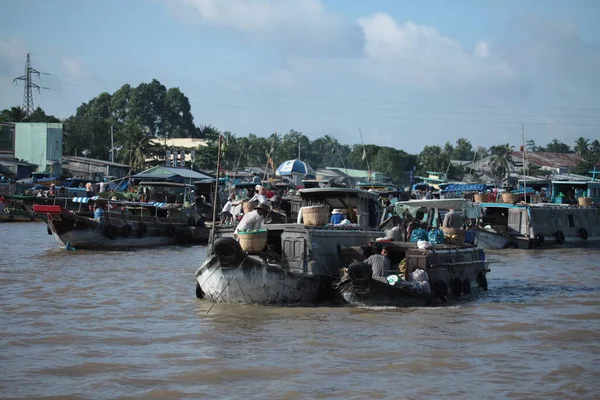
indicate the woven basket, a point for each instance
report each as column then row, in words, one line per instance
column 510, row 198
column 482, row 198
column 585, row 201
column 252, row 242
column 454, row 236
column 315, row 215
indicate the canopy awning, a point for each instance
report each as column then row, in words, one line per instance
column 466, row 187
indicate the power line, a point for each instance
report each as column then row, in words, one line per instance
column 361, row 100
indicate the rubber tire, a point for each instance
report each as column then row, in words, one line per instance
column 540, row 238
column 482, row 280
column 560, row 237
column 199, row 292
column 127, row 230
column 110, row 232
column 142, row 230
column 171, row 231
column 584, row 233
column 360, row 273
column 229, row 251
column 466, row 286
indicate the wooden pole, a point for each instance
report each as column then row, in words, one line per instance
column 215, row 203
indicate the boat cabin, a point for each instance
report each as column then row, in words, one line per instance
column 168, row 192
column 568, row 192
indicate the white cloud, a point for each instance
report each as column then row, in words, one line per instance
column 482, row 49
column 73, row 67
column 298, row 26
column 12, row 57
column 417, row 54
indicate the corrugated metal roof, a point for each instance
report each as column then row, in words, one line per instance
column 160, row 171
column 546, row 159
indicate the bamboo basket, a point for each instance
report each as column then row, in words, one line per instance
column 454, row 236
column 585, row 201
column 510, row 198
column 252, row 242
column 315, row 215
column 481, row 198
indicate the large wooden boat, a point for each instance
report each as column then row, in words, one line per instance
column 423, row 276
column 122, row 224
column 299, row 260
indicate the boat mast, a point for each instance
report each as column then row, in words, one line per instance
column 216, row 195
column 524, row 173
column 366, row 158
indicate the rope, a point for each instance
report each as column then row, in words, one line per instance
column 228, row 282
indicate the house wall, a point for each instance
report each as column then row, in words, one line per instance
column 40, row 144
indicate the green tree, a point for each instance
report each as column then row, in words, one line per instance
column 134, row 141
column 39, row 115
column 14, row 114
column 463, row 150
column 500, row 162
column 582, row 147
column 556, row 146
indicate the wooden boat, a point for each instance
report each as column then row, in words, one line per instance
column 17, row 215
column 299, row 260
column 122, row 224
column 424, row 276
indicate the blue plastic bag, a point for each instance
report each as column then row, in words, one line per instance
column 436, row 236
column 418, row 234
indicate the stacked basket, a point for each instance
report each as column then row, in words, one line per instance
column 585, row 201
column 253, row 241
column 481, row 198
column 315, row 215
column 510, row 198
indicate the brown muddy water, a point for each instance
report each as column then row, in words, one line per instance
column 105, row 325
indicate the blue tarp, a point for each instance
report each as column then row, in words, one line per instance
column 466, row 187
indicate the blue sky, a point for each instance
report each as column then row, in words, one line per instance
column 407, row 73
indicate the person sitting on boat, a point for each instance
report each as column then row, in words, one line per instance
column 380, row 263
column 453, row 219
column 226, row 215
column 254, row 219
column 98, row 212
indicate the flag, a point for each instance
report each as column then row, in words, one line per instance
column 364, row 156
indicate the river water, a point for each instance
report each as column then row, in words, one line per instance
column 105, row 325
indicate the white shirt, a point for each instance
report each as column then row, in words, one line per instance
column 252, row 220
column 261, row 198
column 227, row 207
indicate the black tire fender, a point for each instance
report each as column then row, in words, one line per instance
column 229, row 251
column 482, row 280
column 584, row 233
column 171, row 231
column 142, row 230
column 560, row 237
column 199, row 292
column 540, row 238
column 110, row 231
column 127, row 230
column 360, row 273
column 11, row 218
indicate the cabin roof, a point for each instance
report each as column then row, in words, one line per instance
column 443, row 204
column 173, row 184
column 337, row 191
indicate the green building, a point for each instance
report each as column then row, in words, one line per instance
column 40, row 143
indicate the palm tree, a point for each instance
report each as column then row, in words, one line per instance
column 14, row 114
column 500, row 162
column 582, row 147
column 134, row 142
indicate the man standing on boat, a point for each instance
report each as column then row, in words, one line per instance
column 453, row 219
column 254, row 219
column 380, row 263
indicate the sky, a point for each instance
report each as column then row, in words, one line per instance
column 404, row 73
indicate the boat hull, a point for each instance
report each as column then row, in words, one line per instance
column 255, row 281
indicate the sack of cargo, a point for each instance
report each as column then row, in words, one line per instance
column 435, row 236
column 418, row 234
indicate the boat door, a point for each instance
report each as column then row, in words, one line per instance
column 294, row 251
column 518, row 221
